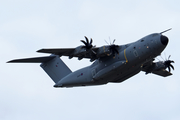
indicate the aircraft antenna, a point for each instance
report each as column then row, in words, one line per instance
column 165, row 31
column 162, row 58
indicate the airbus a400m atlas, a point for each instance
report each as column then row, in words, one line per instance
column 111, row 63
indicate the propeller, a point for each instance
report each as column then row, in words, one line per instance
column 168, row 64
column 88, row 45
column 113, row 48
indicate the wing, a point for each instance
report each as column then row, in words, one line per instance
column 162, row 72
column 150, row 67
column 60, row 52
column 72, row 52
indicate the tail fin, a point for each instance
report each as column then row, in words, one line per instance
column 56, row 68
column 52, row 65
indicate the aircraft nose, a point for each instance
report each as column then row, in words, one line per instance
column 164, row 40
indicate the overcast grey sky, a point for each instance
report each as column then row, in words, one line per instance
column 27, row 93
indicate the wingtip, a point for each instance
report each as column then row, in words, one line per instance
column 11, row 61
column 39, row 50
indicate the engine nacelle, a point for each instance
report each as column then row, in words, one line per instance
column 103, row 51
column 159, row 65
column 155, row 67
column 79, row 50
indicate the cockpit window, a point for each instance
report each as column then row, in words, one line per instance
column 142, row 40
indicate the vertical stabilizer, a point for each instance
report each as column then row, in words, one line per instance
column 55, row 68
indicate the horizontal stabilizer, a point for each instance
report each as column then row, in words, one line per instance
column 48, row 50
column 32, row 60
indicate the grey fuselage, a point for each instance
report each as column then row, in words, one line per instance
column 116, row 69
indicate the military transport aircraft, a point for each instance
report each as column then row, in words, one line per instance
column 112, row 63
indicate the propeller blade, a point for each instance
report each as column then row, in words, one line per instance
column 83, row 47
column 169, row 69
column 169, row 57
column 84, row 42
column 171, row 66
column 112, row 48
column 87, row 45
column 106, row 42
column 91, row 41
column 162, row 58
column 165, row 56
column 114, row 41
column 114, row 55
column 116, row 51
column 168, row 64
column 109, row 40
column 117, row 46
column 93, row 51
column 87, row 41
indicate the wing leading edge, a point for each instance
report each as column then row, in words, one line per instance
column 60, row 52
column 71, row 52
